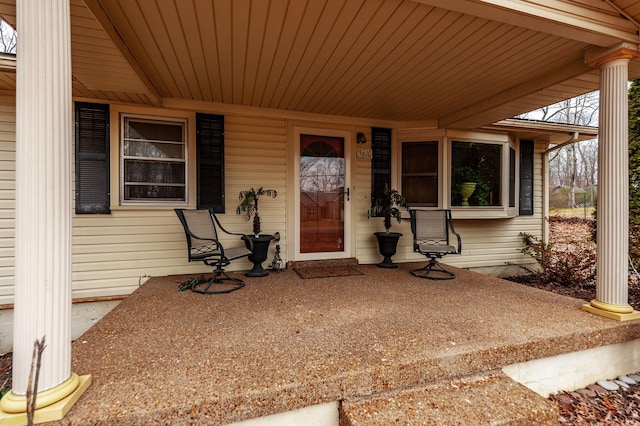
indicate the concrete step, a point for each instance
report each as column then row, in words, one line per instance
column 488, row 398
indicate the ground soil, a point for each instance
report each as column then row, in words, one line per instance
column 605, row 408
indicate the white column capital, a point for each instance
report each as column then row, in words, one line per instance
column 599, row 57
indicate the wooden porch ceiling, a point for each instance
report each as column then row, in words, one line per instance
column 471, row 64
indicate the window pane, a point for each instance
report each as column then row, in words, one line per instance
column 152, row 172
column 154, row 131
column 420, row 173
column 512, row 177
column 479, row 164
column 153, row 149
column 154, row 192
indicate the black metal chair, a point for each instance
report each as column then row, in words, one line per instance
column 201, row 230
column 432, row 232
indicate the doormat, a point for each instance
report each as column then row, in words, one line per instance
column 327, row 271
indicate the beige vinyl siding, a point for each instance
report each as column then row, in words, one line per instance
column 485, row 242
column 7, row 196
column 113, row 254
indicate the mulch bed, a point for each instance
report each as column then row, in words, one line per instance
column 597, row 406
column 5, row 371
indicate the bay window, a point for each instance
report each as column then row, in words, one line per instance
column 474, row 174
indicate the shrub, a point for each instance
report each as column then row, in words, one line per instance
column 569, row 266
column 634, row 245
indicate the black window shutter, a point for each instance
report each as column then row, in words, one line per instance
column 381, row 161
column 92, row 158
column 526, row 177
column 210, row 161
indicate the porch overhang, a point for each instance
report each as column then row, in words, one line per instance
column 461, row 64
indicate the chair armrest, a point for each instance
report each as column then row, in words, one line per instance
column 453, row 231
column 213, row 215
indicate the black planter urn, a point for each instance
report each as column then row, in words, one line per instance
column 258, row 254
column 387, row 245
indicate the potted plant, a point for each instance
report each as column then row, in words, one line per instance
column 389, row 206
column 464, row 180
column 464, row 183
column 257, row 243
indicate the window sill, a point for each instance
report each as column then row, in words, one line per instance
column 149, row 206
column 482, row 213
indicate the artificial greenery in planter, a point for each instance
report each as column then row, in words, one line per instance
column 389, row 206
column 461, row 180
column 249, row 204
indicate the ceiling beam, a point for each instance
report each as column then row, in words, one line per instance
column 544, row 80
column 7, row 63
column 96, row 9
column 555, row 17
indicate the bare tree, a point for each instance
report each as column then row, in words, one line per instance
column 8, row 38
column 574, row 165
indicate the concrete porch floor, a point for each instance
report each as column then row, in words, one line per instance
column 283, row 343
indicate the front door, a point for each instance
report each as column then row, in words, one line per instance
column 323, row 196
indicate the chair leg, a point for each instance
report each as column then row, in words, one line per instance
column 220, row 279
column 434, row 271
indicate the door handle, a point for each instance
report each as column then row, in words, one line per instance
column 348, row 194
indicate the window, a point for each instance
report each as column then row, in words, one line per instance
column 420, row 173
column 476, row 174
column 92, row 158
column 153, row 160
column 473, row 173
column 512, row 177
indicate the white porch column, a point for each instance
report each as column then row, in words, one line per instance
column 613, row 190
column 43, row 212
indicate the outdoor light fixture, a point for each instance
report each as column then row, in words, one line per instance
column 361, row 138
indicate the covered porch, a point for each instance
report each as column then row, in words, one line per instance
column 284, row 343
column 276, row 71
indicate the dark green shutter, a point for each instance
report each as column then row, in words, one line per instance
column 526, row 177
column 210, row 159
column 92, row 158
column 381, row 161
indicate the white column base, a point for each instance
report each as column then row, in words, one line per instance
column 616, row 312
column 50, row 413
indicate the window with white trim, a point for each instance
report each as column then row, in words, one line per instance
column 474, row 174
column 420, row 161
column 153, row 160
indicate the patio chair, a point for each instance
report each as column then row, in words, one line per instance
column 201, row 231
column 432, row 234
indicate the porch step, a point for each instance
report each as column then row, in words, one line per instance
column 487, row 398
column 351, row 261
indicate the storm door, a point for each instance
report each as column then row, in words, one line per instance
column 323, row 197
